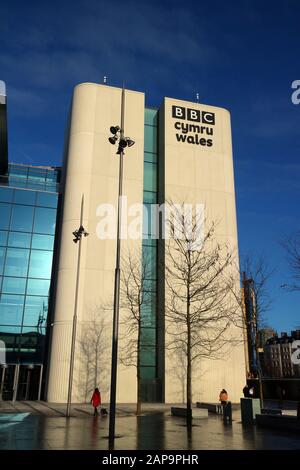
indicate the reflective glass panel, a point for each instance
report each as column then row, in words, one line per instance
column 40, row 264
column 2, row 259
column 3, row 238
column 149, row 256
column 148, row 373
column 38, row 286
column 11, row 309
column 37, row 174
column 36, row 310
column 22, row 218
column 149, row 315
column 148, row 354
column 44, row 220
column 42, row 242
column 14, row 285
column 150, row 139
column 4, row 216
column 19, row 239
column 47, row 199
column 150, row 177
column 25, row 197
column 148, row 336
column 150, row 157
column 16, row 262
column 29, row 340
column 150, row 197
column 6, row 194
column 151, row 116
column 11, row 337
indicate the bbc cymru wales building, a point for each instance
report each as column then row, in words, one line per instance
column 182, row 153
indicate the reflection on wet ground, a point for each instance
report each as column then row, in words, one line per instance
column 148, row 432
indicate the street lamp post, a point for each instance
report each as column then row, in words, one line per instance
column 77, row 238
column 118, row 136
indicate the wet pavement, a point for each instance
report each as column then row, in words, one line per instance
column 38, row 426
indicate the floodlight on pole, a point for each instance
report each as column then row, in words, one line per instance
column 118, row 132
column 77, row 238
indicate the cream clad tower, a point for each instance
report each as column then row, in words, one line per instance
column 182, row 152
column 196, row 151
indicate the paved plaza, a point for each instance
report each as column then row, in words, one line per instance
column 42, row 426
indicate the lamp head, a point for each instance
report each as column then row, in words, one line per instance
column 114, row 129
column 123, row 143
column 113, row 139
column 130, row 142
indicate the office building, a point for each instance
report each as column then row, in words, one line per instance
column 182, row 153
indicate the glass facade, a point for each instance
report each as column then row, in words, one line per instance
column 28, row 209
column 148, row 364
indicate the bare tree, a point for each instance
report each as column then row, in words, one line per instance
column 292, row 248
column 200, row 308
column 136, row 298
column 256, row 302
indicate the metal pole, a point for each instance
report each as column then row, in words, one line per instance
column 114, row 355
column 40, row 382
column 16, row 382
column 2, row 382
column 74, row 320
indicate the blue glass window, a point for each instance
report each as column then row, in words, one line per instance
column 45, row 220
column 6, row 194
column 14, row 285
column 11, row 337
column 148, row 336
column 40, row 264
column 38, row 286
column 149, row 256
column 25, row 197
column 47, row 200
column 42, row 242
column 16, row 263
column 19, row 171
column 4, row 216
column 150, row 157
column 11, row 309
column 150, row 197
column 150, row 139
column 150, row 177
column 22, row 218
column 36, row 310
column 149, row 315
column 37, row 174
column 151, row 116
column 148, row 373
column 19, row 239
column 3, row 238
column 148, row 354
column 2, row 259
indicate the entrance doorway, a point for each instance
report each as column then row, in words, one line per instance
column 20, row 381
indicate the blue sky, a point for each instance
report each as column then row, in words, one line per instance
column 242, row 55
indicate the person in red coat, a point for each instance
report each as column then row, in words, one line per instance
column 96, row 401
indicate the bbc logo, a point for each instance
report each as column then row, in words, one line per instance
column 195, row 115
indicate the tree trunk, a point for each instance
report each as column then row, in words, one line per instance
column 189, row 362
column 138, row 373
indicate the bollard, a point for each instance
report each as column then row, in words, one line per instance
column 227, row 412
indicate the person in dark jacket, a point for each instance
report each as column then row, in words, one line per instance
column 96, row 400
